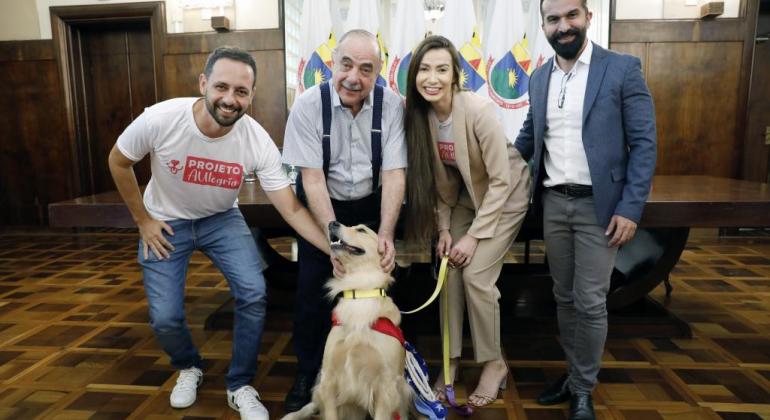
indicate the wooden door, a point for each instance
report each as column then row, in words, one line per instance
column 757, row 151
column 116, row 83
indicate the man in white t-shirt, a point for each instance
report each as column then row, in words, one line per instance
column 200, row 149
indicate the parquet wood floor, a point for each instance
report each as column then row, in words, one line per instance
column 75, row 344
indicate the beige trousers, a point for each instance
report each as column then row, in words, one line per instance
column 476, row 284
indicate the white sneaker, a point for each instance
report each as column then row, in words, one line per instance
column 186, row 387
column 245, row 400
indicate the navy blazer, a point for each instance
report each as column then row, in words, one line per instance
column 619, row 134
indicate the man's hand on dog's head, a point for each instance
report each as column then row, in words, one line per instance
column 387, row 253
column 338, row 268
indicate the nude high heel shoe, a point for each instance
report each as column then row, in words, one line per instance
column 491, row 382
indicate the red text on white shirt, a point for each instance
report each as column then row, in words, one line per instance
column 213, row 173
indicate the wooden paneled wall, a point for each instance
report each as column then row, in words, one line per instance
column 36, row 163
column 185, row 55
column 698, row 73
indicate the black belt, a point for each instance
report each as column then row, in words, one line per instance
column 574, row 190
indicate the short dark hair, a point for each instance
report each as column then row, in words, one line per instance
column 232, row 53
column 583, row 4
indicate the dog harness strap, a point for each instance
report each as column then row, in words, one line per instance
column 363, row 294
column 381, row 325
column 387, row 327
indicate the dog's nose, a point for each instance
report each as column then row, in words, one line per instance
column 334, row 225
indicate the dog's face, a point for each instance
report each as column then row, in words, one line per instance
column 353, row 246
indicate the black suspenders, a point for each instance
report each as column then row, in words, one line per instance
column 376, row 137
column 326, row 111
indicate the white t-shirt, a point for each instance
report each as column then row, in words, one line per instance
column 195, row 176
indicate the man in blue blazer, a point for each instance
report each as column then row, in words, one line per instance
column 590, row 131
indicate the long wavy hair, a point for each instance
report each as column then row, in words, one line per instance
column 420, row 185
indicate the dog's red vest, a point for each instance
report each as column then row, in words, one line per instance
column 383, row 326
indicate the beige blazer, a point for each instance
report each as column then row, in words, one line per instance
column 490, row 168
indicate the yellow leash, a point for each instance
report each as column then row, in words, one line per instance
column 442, row 278
column 441, row 288
column 442, row 273
column 463, row 410
column 444, row 291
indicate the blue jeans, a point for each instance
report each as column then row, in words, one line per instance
column 227, row 241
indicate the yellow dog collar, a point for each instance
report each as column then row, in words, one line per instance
column 363, row 294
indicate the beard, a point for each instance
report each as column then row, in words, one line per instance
column 220, row 119
column 571, row 49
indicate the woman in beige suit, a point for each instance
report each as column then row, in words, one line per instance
column 467, row 185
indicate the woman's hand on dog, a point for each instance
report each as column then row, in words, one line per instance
column 462, row 252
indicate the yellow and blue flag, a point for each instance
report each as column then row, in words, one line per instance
column 508, row 64
column 407, row 29
column 316, row 43
column 459, row 26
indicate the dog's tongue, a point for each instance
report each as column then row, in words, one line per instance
column 354, row 250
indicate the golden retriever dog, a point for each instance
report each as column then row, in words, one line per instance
column 362, row 370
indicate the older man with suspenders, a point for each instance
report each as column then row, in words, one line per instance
column 343, row 156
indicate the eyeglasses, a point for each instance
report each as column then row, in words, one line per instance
column 563, row 91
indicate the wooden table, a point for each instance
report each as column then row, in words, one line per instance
column 675, row 201
column 676, row 204
column 108, row 210
column 706, row 201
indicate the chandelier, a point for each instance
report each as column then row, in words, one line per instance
column 434, row 9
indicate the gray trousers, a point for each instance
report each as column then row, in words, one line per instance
column 581, row 264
